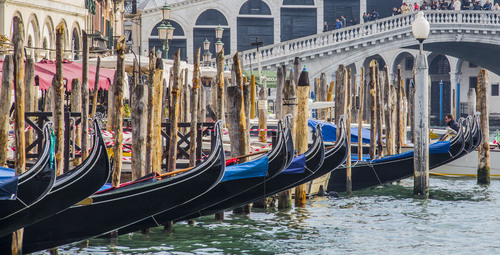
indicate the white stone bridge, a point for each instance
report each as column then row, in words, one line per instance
column 473, row 36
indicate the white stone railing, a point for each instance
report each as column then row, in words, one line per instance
column 326, row 40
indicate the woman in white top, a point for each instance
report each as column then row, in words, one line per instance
column 496, row 7
column 457, row 4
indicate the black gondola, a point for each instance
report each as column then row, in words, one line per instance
column 395, row 167
column 69, row 188
column 314, row 159
column 32, row 186
column 126, row 205
column 279, row 158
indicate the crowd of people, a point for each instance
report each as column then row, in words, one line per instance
column 425, row 5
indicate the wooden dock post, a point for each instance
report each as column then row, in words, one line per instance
column 220, row 86
column 96, row 87
column 263, row 114
column 118, row 116
column 280, row 83
column 85, row 98
column 174, row 113
column 158, row 104
column 58, row 115
column 373, row 109
column 302, row 117
column 194, row 108
column 252, row 97
column 348, row 126
column 340, row 95
column 360, row 113
column 76, row 106
column 296, row 70
column 20, row 154
column 5, row 98
column 322, row 96
column 399, row 111
column 380, row 113
column 289, row 107
column 421, row 156
column 203, row 105
column 389, row 130
column 483, row 168
column 139, row 122
column 29, row 89
column 237, row 119
column 150, row 113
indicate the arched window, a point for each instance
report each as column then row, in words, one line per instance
column 209, row 20
column 439, row 65
column 298, row 2
column 250, row 28
column 76, row 44
column 176, row 43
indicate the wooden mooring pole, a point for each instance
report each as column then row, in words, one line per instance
column 84, row 136
column 302, row 117
column 194, row 108
column 263, row 114
column 421, row 158
column 399, row 111
column 58, row 115
column 389, row 130
column 150, row 113
column 360, row 113
column 5, row 98
column 379, row 112
column 29, row 99
column 483, row 168
column 139, row 123
column 96, row 87
column 76, row 106
column 252, row 97
column 118, row 116
column 373, row 108
column 20, row 154
column 348, row 126
column 174, row 112
column 157, row 105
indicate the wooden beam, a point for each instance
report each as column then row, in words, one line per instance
column 5, row 98
column 118, row 116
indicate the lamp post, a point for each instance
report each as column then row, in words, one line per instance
column 207, row 55
column 218, row 35
column 165, row 29
column 420, row 29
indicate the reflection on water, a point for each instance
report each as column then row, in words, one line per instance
column 459, row 217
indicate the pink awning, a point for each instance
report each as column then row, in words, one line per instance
column 46, row 69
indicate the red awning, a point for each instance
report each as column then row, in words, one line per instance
column 46, row 69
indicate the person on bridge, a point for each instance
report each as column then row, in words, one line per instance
column 338, row 24
column 375, row 15
column 487, row 5
column 496, row 7
column 451, row 122
column 457, row 5
column 366, row 17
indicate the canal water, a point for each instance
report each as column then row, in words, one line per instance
column 460, row 217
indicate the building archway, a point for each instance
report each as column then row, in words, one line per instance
column 439, row 71
column 178, row 41
column 205, row 26
column 75, row 43
column 255, row 20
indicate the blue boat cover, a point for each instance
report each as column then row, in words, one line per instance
column 250, row 169
column 329, row 132
column 6, row 173
column 437, row 147
column 298, row 165
column 8, row 188
column 106, row 186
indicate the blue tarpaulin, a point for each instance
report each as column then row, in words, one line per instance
column 254, row 168
column 8, row 188
column 298, row 165
column 6, row 173
column 437, row 147
column 329, row 132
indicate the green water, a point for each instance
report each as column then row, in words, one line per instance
column 460, row 217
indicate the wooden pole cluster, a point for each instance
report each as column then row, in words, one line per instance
column 150, row 112
column 389, row 130
column 58, row 115
column 195, row 101
column 85, row 99
column 118, row 116
column 373, row 108
column 139, row 123
column 302, row 116
column 5, row 98
column 76, row 106
column 174, row 112
column 483, row 168
column 360, row 113
column 290, row 106
column 20, row 164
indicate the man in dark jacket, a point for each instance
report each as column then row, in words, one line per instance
column 451, row 122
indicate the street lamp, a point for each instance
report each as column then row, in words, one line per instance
column 218, row 46
column 218, row 32
column 165, row 29
column 420, row 29
column 206, row 54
